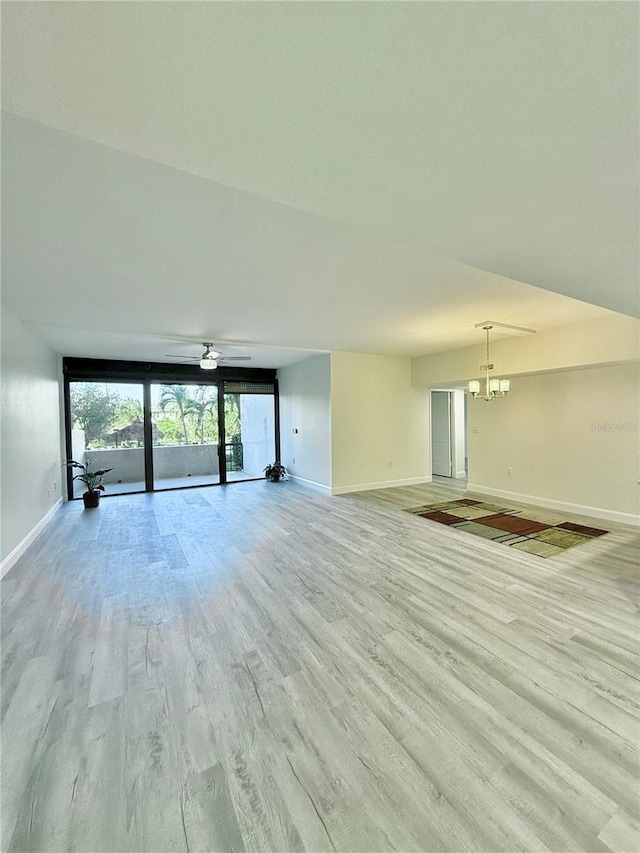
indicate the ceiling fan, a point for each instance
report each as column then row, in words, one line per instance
column 210, row 358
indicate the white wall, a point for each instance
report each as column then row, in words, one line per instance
column 30, row 457
column 305, row 405
column 571, row 437
column 379, row 423
column 607, row 340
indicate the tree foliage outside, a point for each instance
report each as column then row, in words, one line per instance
column 184, row 415
column 203, row 407
column 93, row 410
column 188, row 415
column 175, row 402
column 127, row 411
column 232, row 420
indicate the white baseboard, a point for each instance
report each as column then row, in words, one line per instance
column 22, row 546
column 549, row 503
column 384, row 484
column 311, row 484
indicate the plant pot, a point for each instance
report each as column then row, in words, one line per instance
column 91, row 499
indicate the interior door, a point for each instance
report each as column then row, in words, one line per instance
column 441, row 460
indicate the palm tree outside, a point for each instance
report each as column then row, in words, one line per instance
column 202, row 405
column 176, row 399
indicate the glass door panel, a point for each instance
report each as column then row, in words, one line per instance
column 107, row 430
column 184, row 422
column 250, row 438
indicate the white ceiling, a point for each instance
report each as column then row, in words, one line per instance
column 82, row 343
column 375, row 177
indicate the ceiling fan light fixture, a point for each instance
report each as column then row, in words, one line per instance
column 209, row 360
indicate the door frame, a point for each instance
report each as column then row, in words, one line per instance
column 449, row 429
column 457, row 431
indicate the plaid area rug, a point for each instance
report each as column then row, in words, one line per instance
column 540, row 532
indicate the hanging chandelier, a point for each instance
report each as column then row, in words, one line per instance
column 493, row 387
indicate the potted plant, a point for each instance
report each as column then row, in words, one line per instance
column 275, row 472
column 92, row 480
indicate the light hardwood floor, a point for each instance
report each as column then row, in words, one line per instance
column 264, row 668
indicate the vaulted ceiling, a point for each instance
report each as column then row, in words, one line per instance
column 365, row 176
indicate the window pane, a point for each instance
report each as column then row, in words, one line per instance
column 250, row 434
column 107, row 431
column 185, row 435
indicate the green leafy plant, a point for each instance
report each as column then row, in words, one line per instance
column 91, row 479
column 275, row 472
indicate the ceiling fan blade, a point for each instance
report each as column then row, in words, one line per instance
column 222, row 359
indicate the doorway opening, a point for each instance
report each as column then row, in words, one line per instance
column 449, row 447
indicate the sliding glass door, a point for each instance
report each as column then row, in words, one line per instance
column 107, row 431
column 160, row 426
column 185, row 435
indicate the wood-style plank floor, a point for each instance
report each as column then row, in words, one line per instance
column 261, row 667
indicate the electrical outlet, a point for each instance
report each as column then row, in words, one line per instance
column 55, row 486
column 293, row 460
column 509, row 472
column 49, row 493
column 389, row 464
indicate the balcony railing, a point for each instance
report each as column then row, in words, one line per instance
column 233, row 456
